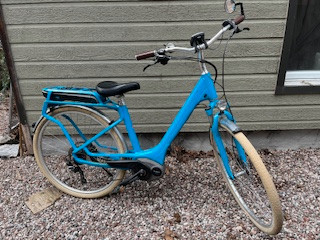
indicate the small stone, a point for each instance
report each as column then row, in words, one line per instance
column 253, row 231
column 239, row 228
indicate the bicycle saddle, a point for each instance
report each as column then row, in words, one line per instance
column 109, row 88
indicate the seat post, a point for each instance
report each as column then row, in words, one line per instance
column 121, row 100
column 124, row 114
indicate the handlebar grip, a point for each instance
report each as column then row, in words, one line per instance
column 239, row 19
column 145, row 55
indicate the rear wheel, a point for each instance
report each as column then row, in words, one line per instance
column 53, row 152
column 252, row 185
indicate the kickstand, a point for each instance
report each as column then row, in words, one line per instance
column 133, row 177
column 129, row 180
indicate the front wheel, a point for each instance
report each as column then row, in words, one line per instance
column 53, row 152
column 252, row 185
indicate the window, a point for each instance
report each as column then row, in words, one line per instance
column 300, row 61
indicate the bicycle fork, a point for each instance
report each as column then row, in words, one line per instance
column 225, row 120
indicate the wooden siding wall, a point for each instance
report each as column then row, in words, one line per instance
column 79, row 43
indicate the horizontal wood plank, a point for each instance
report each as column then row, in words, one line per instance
column 108, row 12
column 14, row 2
column 245, row 126
column 176, row 100
column 104, row 32
column 179, row 84
column 245, row 115
column 127, row 51
column 87, row 69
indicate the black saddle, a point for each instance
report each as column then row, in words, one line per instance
column 109, row 88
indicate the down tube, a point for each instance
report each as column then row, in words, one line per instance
column 204, row 90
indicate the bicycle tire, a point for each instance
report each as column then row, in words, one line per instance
column 269, row 219
column 52, row 150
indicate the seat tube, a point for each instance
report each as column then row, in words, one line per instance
column 124, row 114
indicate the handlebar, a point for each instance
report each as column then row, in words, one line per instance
column 145, row 55
column 239, row 19
column 230, row 25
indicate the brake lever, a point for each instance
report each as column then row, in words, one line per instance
column 149, row 65
column 238, row 30
column 163, row 59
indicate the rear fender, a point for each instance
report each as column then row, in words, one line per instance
column 50, row 110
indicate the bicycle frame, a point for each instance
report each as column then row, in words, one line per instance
column 204, row 90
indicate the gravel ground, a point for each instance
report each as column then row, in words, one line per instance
column 4, row 116
column 190, row 202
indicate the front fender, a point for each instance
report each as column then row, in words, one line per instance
column 229, row 124
column 227, row 121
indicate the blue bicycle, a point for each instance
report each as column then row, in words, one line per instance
column 81, row 151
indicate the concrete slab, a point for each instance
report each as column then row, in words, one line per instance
column 42, row 200
column 9, row 150
column 4, row 138
column 286, row 139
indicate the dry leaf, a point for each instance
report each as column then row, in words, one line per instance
column 121, row 190
column 170, row 235
column 167, row 170
column 183, row 155
column 177, row 217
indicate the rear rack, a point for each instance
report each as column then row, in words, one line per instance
column 74, row 94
